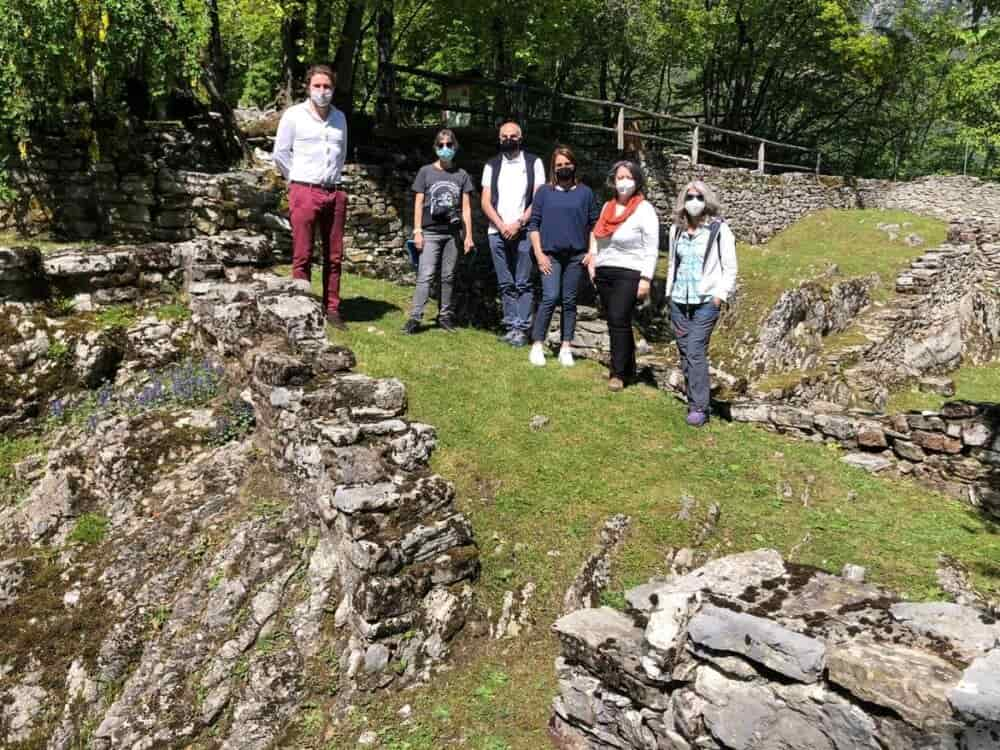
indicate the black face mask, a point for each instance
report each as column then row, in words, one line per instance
column 565, row 174
column 509, row 146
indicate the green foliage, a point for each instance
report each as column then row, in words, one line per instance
column 90, row 529
column 62, row 307
column 13, row 451
column 116, row 316
column 57, row 351
column 173, row 311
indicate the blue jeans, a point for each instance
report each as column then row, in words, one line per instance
column 561, row 284
column 693, row 325
column 512, row 262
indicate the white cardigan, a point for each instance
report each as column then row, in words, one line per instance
column 635, row 244
column 718, row 276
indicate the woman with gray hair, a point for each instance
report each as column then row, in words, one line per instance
column 701, row 276
column 622, row 261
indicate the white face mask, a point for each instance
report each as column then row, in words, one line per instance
column 694, row 208
column 624, row 186
column 321, row 98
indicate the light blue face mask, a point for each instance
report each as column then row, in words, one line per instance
column 445, row 153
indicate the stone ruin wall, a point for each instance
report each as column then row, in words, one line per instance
column 363, row 557
column 750, row 652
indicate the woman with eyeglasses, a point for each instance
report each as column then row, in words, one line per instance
column 442, row 219
column 701, row 276
column 563, row 215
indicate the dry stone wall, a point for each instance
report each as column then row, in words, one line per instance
column 234, row 577
column 750, row 651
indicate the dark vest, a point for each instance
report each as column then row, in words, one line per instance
column 529, row 164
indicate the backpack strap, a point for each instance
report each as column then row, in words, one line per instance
column 673, row 248
column 494, row 165
column 714, row 236
column 529, row 164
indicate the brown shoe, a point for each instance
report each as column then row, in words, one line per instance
column 615, row 384
column 334, row 319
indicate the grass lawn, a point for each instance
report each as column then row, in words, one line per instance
column 972, row 383
column 807, row 249
column 538, row 499
column 42, row 241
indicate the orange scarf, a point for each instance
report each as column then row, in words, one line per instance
column 608, row 223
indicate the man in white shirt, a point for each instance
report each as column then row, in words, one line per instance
column 309, row 151
column 509, row 184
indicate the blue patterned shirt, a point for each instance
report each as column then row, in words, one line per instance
column 690, row 260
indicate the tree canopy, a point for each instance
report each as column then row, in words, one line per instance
column 913, row 91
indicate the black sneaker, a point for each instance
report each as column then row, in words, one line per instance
column 410, row 326
column 446, row 324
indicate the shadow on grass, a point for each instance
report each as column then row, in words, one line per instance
column 365, row 310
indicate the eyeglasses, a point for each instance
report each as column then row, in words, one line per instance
column 445, row 144
column 691, row 197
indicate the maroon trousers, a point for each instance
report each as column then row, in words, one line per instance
column 309, row 206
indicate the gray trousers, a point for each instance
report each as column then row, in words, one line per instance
column 693, row 325
column 438, row 248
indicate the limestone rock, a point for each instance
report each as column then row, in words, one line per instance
column 978, row 693
column 970, row 630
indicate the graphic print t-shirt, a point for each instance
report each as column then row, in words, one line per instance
column 442, row 191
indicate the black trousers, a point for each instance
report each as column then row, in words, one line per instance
column 617, row 288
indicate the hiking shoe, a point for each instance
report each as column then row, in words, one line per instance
column 615, row 384
column 334, row 319
column 537, row 355
column 697, row 418
column 411, row 326
column 517, row 339
column 446, row 324
column 566, row 357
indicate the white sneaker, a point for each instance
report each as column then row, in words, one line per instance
column 537, row 355
column 565, row 357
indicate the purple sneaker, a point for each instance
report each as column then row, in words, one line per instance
column 697, row 418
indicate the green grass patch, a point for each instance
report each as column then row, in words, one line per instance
column 972, row 383
column 44, row 242
column 116, row 316
column 806, row 250
column 90, row 529
column 12, row 452
column 173, row 311
column 546, row 494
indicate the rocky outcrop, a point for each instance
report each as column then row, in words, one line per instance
column 791, row 336
column 752, row 652
column 211, row 544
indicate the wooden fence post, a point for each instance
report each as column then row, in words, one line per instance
column 694, row 146
column 760, row 157
column 817, row 163
column 621, row 128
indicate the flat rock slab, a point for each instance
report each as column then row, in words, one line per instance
column 978, row 693
column 727, row 576
column 870, row 462
column 971, row 631
column 595, row 626
column 912, row 683
column 791, row 654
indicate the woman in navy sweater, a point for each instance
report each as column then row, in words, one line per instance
column 563, row 214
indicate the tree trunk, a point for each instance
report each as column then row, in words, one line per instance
column 293, row 30
column 602, row 89
column 343, row 63
column 385, row 108
column 322, row 20
column 216, row 56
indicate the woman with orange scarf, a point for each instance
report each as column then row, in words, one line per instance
column 622, row 261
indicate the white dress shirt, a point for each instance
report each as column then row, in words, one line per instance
column 309, row 149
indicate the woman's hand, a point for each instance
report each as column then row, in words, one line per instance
column 717, row 301
column 418, row 241
column 589, row 262
column 643, row 290
column 469, row 244
column 544, row 263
